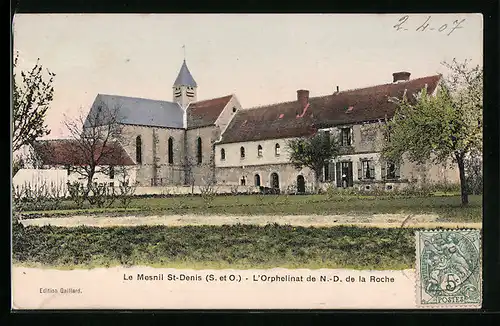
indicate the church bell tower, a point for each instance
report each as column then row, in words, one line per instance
column 184, row 88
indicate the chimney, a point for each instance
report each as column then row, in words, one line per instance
column 303, row 97
column 400, row 76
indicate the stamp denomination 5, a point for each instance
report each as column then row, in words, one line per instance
column 449, row 268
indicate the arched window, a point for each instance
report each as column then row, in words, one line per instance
column 242, row 152
column 138, row 150
column 222, row 154
column 277, row 149
column 259, row 151
column 257, row 180
column 170, row 150
column 199, row 152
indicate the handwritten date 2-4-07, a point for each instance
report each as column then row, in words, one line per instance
column 427, row 25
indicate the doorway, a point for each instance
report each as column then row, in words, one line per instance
column 275, row 182
column 257, row 180
column 344, row 174
column 301, row 184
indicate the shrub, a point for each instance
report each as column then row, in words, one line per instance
column 37, row 196
column 126, row 191
column 76, row 193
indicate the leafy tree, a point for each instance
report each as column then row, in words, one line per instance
column 443, row 128
column 31, row 99
column 313, row 152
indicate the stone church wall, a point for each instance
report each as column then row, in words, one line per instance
column 202, row 172
column 155, row 168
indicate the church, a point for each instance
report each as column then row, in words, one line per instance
column 192, row 142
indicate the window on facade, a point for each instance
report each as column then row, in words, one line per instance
column 138, row 150
column 243, row 181
column 111, row 172
column 68, row 169
column 234, row 109
column 391, row 170
column 259, row 151
column 222, row 154
column 170, row 150
column 345, row 136
column 242, row 152
column 111, row 184
column 366, row 170
column 199, row 150
column 277, row 149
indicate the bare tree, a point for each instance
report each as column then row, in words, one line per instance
column 96, row 137
column 31, row 98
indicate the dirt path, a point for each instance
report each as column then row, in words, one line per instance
column 377, row 220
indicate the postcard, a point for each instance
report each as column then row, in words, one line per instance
column 247, row 161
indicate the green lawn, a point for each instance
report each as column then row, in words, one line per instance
column 198, row 247
column 447, row 207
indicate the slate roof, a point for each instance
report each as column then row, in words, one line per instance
column 139, row 111
column 205, row 113
column 67, row 152
column 285, row 120
column 184, row 78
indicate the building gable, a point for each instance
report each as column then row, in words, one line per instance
column 205, row 113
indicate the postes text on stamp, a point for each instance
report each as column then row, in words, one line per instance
column 448, row 268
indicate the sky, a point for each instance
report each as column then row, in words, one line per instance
column 262, row 59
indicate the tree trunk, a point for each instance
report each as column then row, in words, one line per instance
column 90, row 178
column 317, row 176
column 463, row 182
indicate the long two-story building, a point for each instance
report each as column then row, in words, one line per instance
column 190, row 142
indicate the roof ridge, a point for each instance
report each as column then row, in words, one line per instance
column 215, row 98
column 135, row 98
column 378, row 85
column 343, row 91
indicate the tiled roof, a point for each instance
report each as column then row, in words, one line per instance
column 185, row 78
column 366, row 104
column 140, row 111
column 68, row 152
column 352, row 106
column 205, row 113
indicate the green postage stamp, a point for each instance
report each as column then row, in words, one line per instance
column 449, row 268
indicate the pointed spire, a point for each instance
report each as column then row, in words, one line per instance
column 185, row 78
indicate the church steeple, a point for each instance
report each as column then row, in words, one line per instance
column 184, row 87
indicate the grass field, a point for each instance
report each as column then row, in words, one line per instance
column 447, row 207
column 236, row 246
